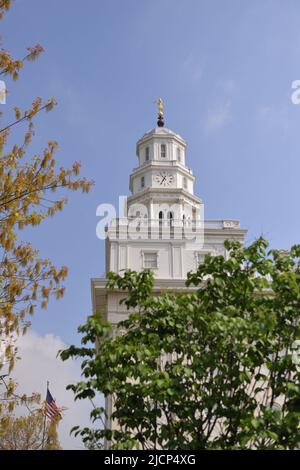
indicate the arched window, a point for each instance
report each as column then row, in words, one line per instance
column 142, row 181
column 147, row 154
column 184, row 182
column 178, row 154
column 163, row 151
column 161, row 218
column 170, row 223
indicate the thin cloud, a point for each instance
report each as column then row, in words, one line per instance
column 229, row 86
column 274, row 117
column 192, row 68
column 218, row 117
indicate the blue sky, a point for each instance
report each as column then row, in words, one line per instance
column 224, row 70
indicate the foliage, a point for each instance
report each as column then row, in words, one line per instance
column 27, row 433
column 214, row 368
column 51, row 437
column 26, row 281
column 10, row 400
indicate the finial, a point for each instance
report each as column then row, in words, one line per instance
column 160, row 119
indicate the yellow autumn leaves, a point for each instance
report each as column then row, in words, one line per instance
column 28, row 187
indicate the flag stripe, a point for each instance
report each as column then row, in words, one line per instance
column 51, row 410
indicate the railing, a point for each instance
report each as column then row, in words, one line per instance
column 221, row 224
column 145, row 222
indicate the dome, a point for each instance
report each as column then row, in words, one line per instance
column 160, row 132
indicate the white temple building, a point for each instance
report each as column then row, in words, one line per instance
column 163, row 227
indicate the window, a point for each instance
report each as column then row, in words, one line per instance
column 150, row 260
column 143, row 182
column 163, row 151
column 178, row 154
column 184, row 182
column 147, row 154
column 200, row 258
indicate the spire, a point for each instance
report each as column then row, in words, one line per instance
column 160, row 118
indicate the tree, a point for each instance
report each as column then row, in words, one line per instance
column 214, row 368
column 27, row 433
column 27, row 196
column 28, row 184
column 51, row 437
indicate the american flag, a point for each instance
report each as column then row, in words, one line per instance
column 51, row 410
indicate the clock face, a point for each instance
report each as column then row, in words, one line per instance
column 164, row 179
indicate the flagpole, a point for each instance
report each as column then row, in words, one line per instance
column 45, row 417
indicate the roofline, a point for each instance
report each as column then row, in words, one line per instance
column 179, row 191
column 149, row 136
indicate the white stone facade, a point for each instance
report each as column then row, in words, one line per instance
column 163, row 227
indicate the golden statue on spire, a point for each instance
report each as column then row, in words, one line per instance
column 160, row 117
column 160, row 107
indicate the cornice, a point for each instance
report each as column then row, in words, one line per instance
column 164, row 194
column 163, row 166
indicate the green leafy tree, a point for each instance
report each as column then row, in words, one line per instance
column 214, row 368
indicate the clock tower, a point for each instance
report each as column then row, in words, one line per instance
column 162, row 179
column 162, row 182
column 163, row 227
